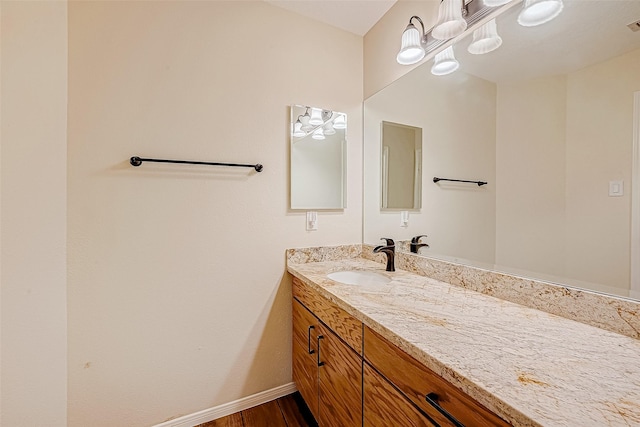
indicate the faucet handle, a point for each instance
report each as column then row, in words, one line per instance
column 390, row 242
column 416, row 239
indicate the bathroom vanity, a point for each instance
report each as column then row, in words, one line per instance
column 418, row 351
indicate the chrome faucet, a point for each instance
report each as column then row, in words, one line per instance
column 415, row 244
column 390, row 251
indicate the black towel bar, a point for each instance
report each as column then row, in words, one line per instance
column 137, row 161
column 480, row 183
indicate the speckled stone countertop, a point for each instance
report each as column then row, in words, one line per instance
column 530, row 367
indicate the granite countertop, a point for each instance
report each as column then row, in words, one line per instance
column 530, row 367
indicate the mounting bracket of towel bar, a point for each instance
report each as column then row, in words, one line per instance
column 137, row 161
column 480, row 183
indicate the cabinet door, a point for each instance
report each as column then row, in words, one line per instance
column 340, row 382
column 385, row 406
column 305, row 365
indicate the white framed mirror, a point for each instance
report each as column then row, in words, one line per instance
column 318, row 158
column 401, row 166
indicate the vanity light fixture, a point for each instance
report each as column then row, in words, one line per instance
column 495, row 3
column 411, row 50
column 485, row 39
column 538, row 12
column 328, row 122
column 340, row 122
column 328, row 129
column 316, row 117
column 318, row 134
column 297, row 129
column 450, row 21
column 445, row 63
column 454, row 17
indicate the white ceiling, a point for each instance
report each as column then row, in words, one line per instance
column 355, row 16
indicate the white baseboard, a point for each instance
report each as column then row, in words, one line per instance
column 216, row 412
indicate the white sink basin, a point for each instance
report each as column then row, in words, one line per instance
column 359, row 277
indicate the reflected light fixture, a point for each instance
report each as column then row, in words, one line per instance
column 454, row 17
column 495, row 3
column 328, row 129
column 340, row 122
column 538, row 12
column 316, row 117
column 297, row 129
column 485, row 39
column 445, row 63
column 411, row 50
column 318, row 134
column 329, row 122
column 450, row 21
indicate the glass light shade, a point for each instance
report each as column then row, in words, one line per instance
column 495, row 3
column 328, row 129
column 316, row 117
column 411, row 50
column 485, row 39
column 297, row 129
column 305, row 122
column 318, row 134
column 450, row 21
column 538, row 12
column 340, row 122
column 445, row 63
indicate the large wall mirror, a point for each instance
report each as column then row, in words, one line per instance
column 548, row 121
column 318, row 158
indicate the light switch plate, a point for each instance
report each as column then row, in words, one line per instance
column 312, row 221
column 404, row 218
column 616, row 188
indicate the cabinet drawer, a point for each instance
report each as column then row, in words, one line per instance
column 417, row 381
column 342, row 323
column 385, row 406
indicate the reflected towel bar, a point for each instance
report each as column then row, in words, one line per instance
column 480, row 183
column 137, row 161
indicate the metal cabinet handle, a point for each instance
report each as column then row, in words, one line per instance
column 311, row 351
column 432, row 399
column 320, row 337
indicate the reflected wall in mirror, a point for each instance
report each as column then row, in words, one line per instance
column 318, row 158
column 548, row 121
column 401, row 166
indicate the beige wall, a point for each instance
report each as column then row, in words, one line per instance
column 599, row 150
column 458, row 218
column 33, row 215
column 530, row 175
column 178, row 297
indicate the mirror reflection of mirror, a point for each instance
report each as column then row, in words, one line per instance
column 401, row 166
column 554, row 116
column 318, row 158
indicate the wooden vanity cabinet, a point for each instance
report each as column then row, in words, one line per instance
column 417, row 382
column 327, row 358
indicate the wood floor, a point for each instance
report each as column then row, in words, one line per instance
column 288, row 411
